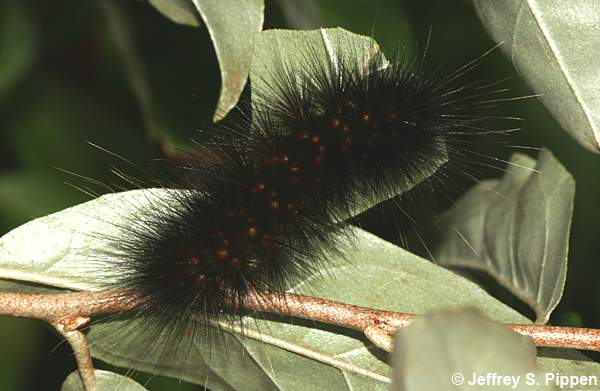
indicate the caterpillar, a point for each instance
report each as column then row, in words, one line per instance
column 260, row 204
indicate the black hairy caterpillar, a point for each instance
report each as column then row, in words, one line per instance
column 312, row 149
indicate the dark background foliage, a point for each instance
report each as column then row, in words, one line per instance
column 63, row 83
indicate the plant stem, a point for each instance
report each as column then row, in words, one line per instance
column 326, row 311
column 362, row 318
column 70, row 308
column 53, row 307
column 81, row 349
column 67, row 312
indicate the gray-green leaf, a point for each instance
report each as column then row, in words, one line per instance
column 291, row 48
column 570, row 363
column 291, row 356
column 232, row 25
column 555, row 46
column 517, row 230
column 105, row 381
column 57, row 250
column 179, row 11
column 445, row 350
column 296, row 49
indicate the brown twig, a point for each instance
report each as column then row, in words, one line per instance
column 81, row 349
column 68, row 311
column 365, row 319
column 374, row 324
column 561, row 337
column 52, row 307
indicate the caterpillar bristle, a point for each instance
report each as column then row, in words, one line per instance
column 263, row 201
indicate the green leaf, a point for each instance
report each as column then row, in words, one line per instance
column 105, row 381
column 231, row 24
column 517, row 230
column 61, row 250
column 445, row 349
column 375, row 274
column 555, row 46
column 18, row 44
column 290, row 48
column 179, row 11
column 570, row 363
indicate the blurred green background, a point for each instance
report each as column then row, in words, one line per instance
column 64, row 82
